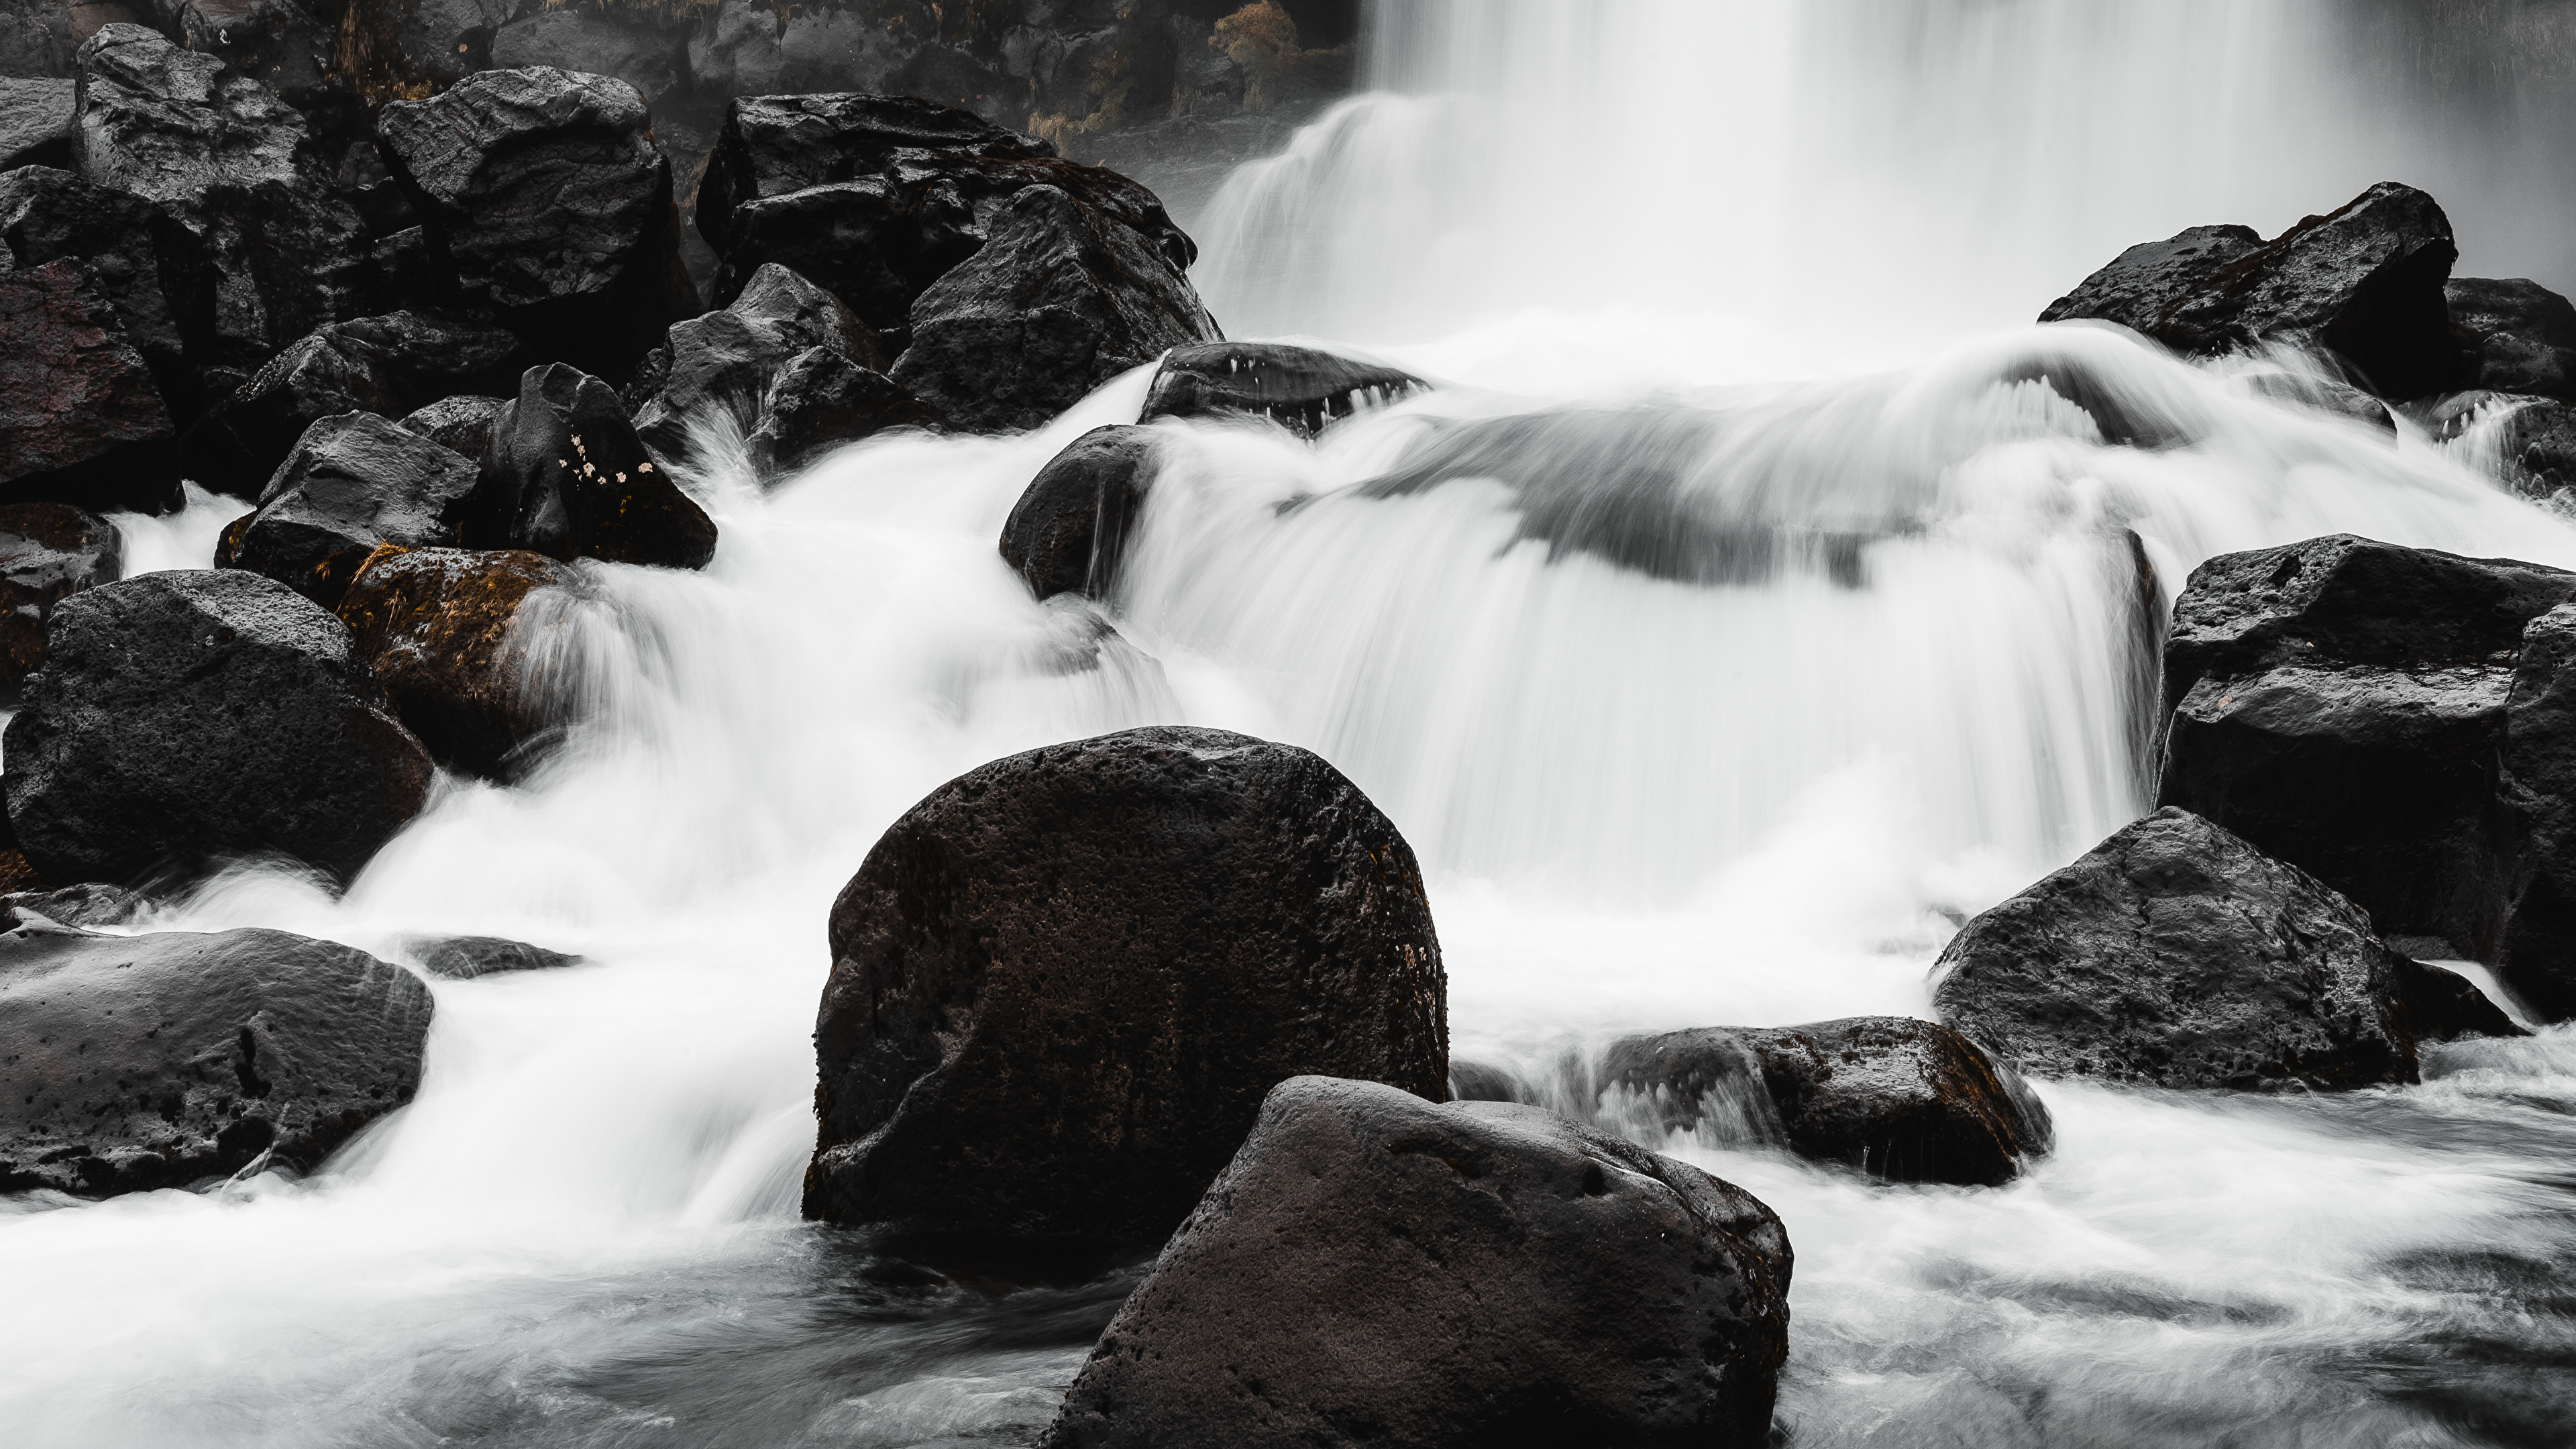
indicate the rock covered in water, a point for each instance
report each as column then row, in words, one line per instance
column 2175, row 954
column 1062, row 984
column 166, row 1059
column 727, row 360
column 2337, row 703
column 35, row 122
column 1372, row 1269
column 1906, row 1100
column 1069, row 529
column 81, row 420
column 462, row 958
column 154, row 272
column 1060, row 299
column 442, row 630
column 544, row 197
column 48, row 552
column 565, row 476
column 186, row 717
column 2520, row 336
column 354, row 482
column 822, row 399
column 1297, row 387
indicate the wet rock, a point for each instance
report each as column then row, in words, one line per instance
column 1063, row 983
column 1901, row 1099
column 775, row 144
column 2294, row 673
column 78, row 907
column 2322, row 395
column 283, row 44
column 1069, row 529
column 565, row 476
column 2536, row 957
column 1481, row 1082
column 727, row 359
column 354, row 482
column 1060, row 299
column 111, row 769
column 2521, row 336
column 2537, row 447
column 458, row 424
column 443, row 41
column 1372, row 1269
column 821, row 400
column 2175, row 954
column 2364, row 282
column 167, row 1059
column 35, row 122
column 1297, row 387
column 462, row 958
column 652, row 59
column 80, row 419
column 154, row 272
column 386, row 365
column 443, row 631
column 48, row 552
column 2443, row 1005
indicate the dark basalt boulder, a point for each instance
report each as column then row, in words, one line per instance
column 653, row 59
column 79, row 907
column 1297, row 387
column 1069, row 529
column 168, row 1059
column 462, row 958
column 458, row 424
column 1375, row 1270
column 771, row 145
column 35, row 122
column 48, row 552
column 283, row 44
column 2364, row 282
column 442, row 629
column 2295, row 673
column 385, row 365
column 2443, row 1005
column 565, row 476
column 2520, row 336
column 111, row 769
column 727, row 359
column 1901, row 1099
column 822, row 399
column 1060, row 299
column 2536, row 958
column 544, row 197
column 153, row 271
column 2175, row 954
column 444, row 41
column 80, row 418
column 354, row 482
column 1063, row 983
column 2538, row 449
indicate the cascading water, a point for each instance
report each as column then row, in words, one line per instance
column 1705, row 697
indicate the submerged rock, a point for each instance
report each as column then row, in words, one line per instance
column 48, row 552
column 186, row 717
column 565, row 476
column 462, row 958
column 353, row 483
column 1062, row 984
column 444, row 632
column 1374, row 1270
column 1297, row 387
column 167, row 1059
column 81, row 420
column 2520, row 336
column 1069, row 529
column 1902, row 1099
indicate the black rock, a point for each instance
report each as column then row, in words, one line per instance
column 727, row 359
column 462, row 958
column 2176, row 955
column 113, row 768
column 1059, row 300
column 2537, row 447
column 565, row 476
column 441, row 628
column 35, row 122
column 2143, row 286
column 1901, row 1099
column 153, row 271
column 444, row 41
column 654, row 60
column 1375, row 1270
column 2338, row 702
column 80, row 418
column 285, row 45
column 2520, row 335
column 459, row 424
column 545, row 198
column 77, row 907
column 1062, row 984
column 2444, row 1005
column 2322, row 395
column 168, row 1059
column 1069, row 529
column 1482, row 1082
column 772, row 145
column 1297, row 387
column 822, row 399
column 354, row 482
column 48, row 552
column 386, row 365
column 2536, row 957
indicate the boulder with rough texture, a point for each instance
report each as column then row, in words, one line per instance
column 35, row 122
column 458, row 424
column 386, row 365
column 2520, row 336
column 2145, row 284
column 1062, row 984
column 354, row 482
column 727, row 359
column 172, row 1058
column 1297, row 387
column 653, row 59
column 48, row 552
column 822, row 399
column 1901, row 1099
column 2338, row 702
column 565, row 476
column 2536, row 957
column 2175, row 954
column 2537, row 446
column 1373, row 1270
column 1069, row 529
column 79, row 907
column 462, row 958
column 153, row 271
column 545, row 198
column 1060, row 299
column 187, row 717
column 80, row 418
column 447, row 634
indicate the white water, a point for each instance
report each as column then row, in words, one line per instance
column 1641, row 803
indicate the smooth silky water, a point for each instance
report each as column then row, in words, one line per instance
column 1770, row 653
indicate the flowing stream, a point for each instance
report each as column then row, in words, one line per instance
column 1723, row 653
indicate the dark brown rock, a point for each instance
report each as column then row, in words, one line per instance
column 445, row 632
column 48, row 552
